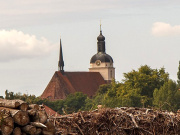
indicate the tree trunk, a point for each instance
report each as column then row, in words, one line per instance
column 17, row 131
column 9, row 103
column 29, row 129
column 7, row 125
column 20, row 117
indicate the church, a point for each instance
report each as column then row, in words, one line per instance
column 101, row 71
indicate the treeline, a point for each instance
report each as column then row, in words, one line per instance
column 145, row 87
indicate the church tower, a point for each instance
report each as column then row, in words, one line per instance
column 102, row 62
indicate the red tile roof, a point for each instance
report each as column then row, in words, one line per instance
column 70, row 82
column 51, row 112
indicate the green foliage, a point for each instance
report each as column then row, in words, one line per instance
column 146, row 80
column 164, row 98
column 74, row 102
column 178, row 75
column 140, row 88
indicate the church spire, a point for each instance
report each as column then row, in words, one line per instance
column 61, row 61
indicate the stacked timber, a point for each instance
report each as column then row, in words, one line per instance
column 19, row 118
column 119, row 121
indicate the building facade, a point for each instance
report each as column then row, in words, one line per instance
column 101, row 71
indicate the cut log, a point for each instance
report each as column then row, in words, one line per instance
column 17, row 131
column 40, row 116
column 38, row 131
column 47, row 133
column 23, row 105
column 29, row 129
column 31, row 112
column 50, row 128
column 38, row 124
column 19, row 117
column 34, row 106
column 9, row 103
column 7, row 125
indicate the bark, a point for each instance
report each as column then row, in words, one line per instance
column 20, row 117
column 34, row 106
column 29, row 129
column 38, row 124
column 7, row 125
column 17, row 131
column 9, row 103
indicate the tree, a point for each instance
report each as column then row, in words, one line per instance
column 178, row 75
column 164, row 98
column 145, row 80
column 74, row 102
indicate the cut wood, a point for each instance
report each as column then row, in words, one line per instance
column 17, row 131
column 50, row 128
column 7, row 125
column 47, row 133
column 31, row 112
column 38, row 131
column 9, row 103
column 38, row 124
column 20, row 117
column 34, row 106
column 29, row 129
column 40, row 116
column 23, row 105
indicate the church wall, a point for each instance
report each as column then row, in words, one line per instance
column 105, row 72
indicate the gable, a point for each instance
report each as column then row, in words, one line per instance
column 66, row 83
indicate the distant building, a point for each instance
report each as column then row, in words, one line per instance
column 101, row 71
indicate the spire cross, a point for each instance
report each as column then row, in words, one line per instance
column 100, row 25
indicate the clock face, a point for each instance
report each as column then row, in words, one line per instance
column 98, row 62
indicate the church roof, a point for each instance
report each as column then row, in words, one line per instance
column 51, row 112
column 66, row 83
column 103, row 57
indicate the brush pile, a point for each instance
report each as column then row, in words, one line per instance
column 19, row 118
column 119, row 121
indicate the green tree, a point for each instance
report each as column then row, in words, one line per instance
column 145, row 80
column 178, row 75
column 74, row 102
column 164, row 98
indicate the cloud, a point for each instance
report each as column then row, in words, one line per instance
column 17, row 45
column 164, row 29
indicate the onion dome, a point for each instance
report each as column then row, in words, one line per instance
column 100, row 37
column 101, row 51
column 103, row 57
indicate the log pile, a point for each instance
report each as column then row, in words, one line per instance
column 19, row 118
column 119, row 121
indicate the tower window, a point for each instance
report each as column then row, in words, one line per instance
column 111, row 73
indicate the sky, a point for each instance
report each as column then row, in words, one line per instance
column 137, row 32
